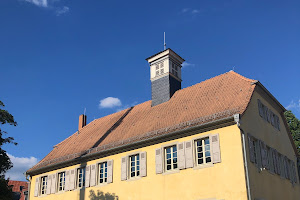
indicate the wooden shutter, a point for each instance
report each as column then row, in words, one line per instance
column 93, row 175
column 72, row 179
column 258, row 154
column 280, row 165
column 264, row 158
column 67, row 180
column 215, row 148
column 181, row 156
column 271, row 162
column 87, row 175
column 260, row 109
column 124, row 168
column 189, row 161
column 251, row 148
column 109, row 171
column 276, row 161
column 158, row 161
column 49, row 181
column 143, row 156
column 291, row 170
column 37, row 186
column 53, row 184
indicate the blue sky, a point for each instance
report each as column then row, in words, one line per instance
column 58, row 57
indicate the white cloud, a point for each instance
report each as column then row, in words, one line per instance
column 20, row 166
column 195, row 11
column 185, row 10
column 186, row 64
column 190, row 11
column 40, row 3
column 110, row 102
column 63, row 10
column 294, row 105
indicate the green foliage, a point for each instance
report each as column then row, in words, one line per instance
column 294, row 125
column 101, row 196
column 5, row 163
column 5, row 190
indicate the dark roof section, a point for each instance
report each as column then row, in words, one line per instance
column 162, row 52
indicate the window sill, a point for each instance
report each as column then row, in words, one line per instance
column 202, row 166
column 134, row 178
column 171, row 172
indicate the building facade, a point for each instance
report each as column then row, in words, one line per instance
column 223, row 138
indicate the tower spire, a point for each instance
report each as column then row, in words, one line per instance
column 165, row 44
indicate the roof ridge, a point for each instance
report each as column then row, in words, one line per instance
column 241, row 76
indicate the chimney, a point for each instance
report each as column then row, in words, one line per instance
column 82, row 122
column 165, row 75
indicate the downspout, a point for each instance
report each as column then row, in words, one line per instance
column 29, row 184
column 238, row 121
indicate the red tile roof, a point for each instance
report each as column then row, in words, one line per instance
column 16, row 187
column 226, row 92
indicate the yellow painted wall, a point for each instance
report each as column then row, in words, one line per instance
column 265, row 185
column 225, row 180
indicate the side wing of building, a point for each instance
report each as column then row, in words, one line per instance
column 206, row 163
column 271, row 156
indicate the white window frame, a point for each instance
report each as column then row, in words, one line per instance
column 80, row 180
column 102, row 166
column 43, row 185
column 134, row 164
column 61, row 185
column 165, row 157
column 159, row 69
column 196, row 152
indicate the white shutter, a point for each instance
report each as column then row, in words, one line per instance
column 158, row 161
column 67, row 180
column 276, row 162
column 72, row 179
column 93, row 175
column 143, row 156
column 189, row 161
column 291, row 170
column 124, row 168
column 271, row 162
column 280, row 164
column 251, row 148
column 181, row 156
column 36, row 186
column 49, row 181
column 53, row 184
column 215, row 148
column 260, row 109
column 87, row 175
column 109, row 171
column 264, row 158
column 258, row 154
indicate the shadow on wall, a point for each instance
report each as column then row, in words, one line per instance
column 101, row 196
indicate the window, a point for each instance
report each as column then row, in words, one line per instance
column 43, row 185
column 159, row 69
column 61, row 181
column 134, row 165
column 171, row 158
column 174, row 69
column 203, row 154
column 254, row 150
column 102, row 173
column 80, row 177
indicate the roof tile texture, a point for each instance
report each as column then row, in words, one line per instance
column 224, row 92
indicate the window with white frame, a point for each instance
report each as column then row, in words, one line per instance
column 80, row 177
column 43, row 184
column 102, row 172
column 202, row 148
column 134, row 168
column 159, row 69
column 171, row 158
column 61, row 181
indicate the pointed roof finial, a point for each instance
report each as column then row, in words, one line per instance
column 165, row 44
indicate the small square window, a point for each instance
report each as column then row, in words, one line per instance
column 171, row 158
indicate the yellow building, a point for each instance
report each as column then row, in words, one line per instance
column 222, row 139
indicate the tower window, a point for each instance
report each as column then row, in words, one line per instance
column 159, row 69
column 174, row 70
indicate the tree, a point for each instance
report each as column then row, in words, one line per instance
column 5, row 163
column 294, row 125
